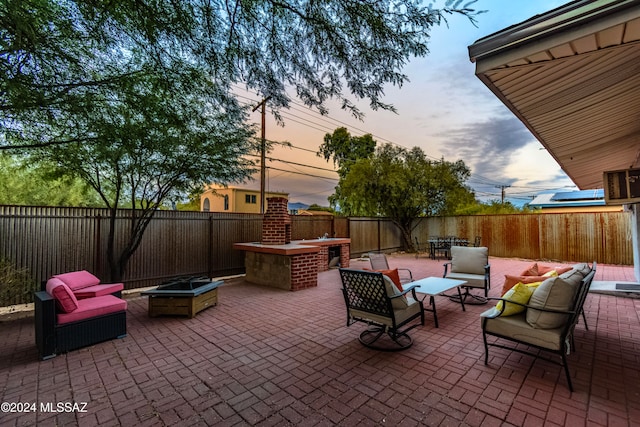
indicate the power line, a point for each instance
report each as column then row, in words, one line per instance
column 474, row 180
column 314, row 125
column 303, row 173
column 295, row 163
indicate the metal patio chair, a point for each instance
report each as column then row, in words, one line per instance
column 372, row 298
column 379, row 262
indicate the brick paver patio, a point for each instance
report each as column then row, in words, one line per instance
column 270, row 357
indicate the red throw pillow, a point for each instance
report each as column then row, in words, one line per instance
column 544, row 269
column 394, row 276
column 511, row 281
column 532, row 270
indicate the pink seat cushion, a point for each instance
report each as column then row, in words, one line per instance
column 65, row 300
column 78, row 279
column 92, row 307
column 98, row 290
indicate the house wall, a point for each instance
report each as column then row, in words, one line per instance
column 237, row 200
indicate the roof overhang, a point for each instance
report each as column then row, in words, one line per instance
column 572, row 76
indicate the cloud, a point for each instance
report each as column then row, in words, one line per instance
column 488, row 147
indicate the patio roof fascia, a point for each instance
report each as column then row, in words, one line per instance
column 555, row 27
column 528, row 44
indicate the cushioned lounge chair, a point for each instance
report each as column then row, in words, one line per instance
column 470, row 264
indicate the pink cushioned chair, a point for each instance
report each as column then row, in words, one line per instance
column 85, row 285
column 65, row 321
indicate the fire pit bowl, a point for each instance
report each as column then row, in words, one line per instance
column 183, row 296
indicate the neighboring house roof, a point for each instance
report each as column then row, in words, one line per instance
column 571, row 76
column 567, row 199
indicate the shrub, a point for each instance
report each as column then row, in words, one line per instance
column 16, row 285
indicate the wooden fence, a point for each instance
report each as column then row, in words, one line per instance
column 45, row 241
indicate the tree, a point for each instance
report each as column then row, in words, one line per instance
column 491, row 207
column 25, row 183
column 403, row 184
column 318, row 208
column 136, row 97
column 151, row 147
column 346, row 149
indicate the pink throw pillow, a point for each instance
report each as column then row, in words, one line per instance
column 78, row 279
column 65, row 299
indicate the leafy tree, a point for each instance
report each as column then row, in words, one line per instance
column 403, row 184
column 136, row 97
column 491, row 207
column 38, row 184
column 150, row 147
column 316, row 207
column 346, row 149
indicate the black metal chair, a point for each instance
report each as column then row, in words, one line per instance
column 518, row 329
column 372, row 298
column 442, row 248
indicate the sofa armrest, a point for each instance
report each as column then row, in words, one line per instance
column 45, row 324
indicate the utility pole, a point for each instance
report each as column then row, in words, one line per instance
column 262, row 151
column 502, row 188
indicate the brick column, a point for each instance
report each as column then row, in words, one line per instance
column 345, row 255
column 304, row 271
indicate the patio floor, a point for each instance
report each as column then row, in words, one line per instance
column 265, row 356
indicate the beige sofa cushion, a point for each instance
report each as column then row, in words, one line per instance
column 555, row 293
column 516, row 327
column 398, row 303
column 582, row 268
column 470, row 260
column 413, row 307
column 572, row 276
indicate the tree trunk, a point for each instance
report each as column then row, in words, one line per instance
column 405, row 230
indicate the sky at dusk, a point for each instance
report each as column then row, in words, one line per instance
column 444, row 109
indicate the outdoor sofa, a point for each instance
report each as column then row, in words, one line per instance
column 75, row 310
column 542, row 315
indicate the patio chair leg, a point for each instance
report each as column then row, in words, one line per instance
column 486, row 349
column 566, row 371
